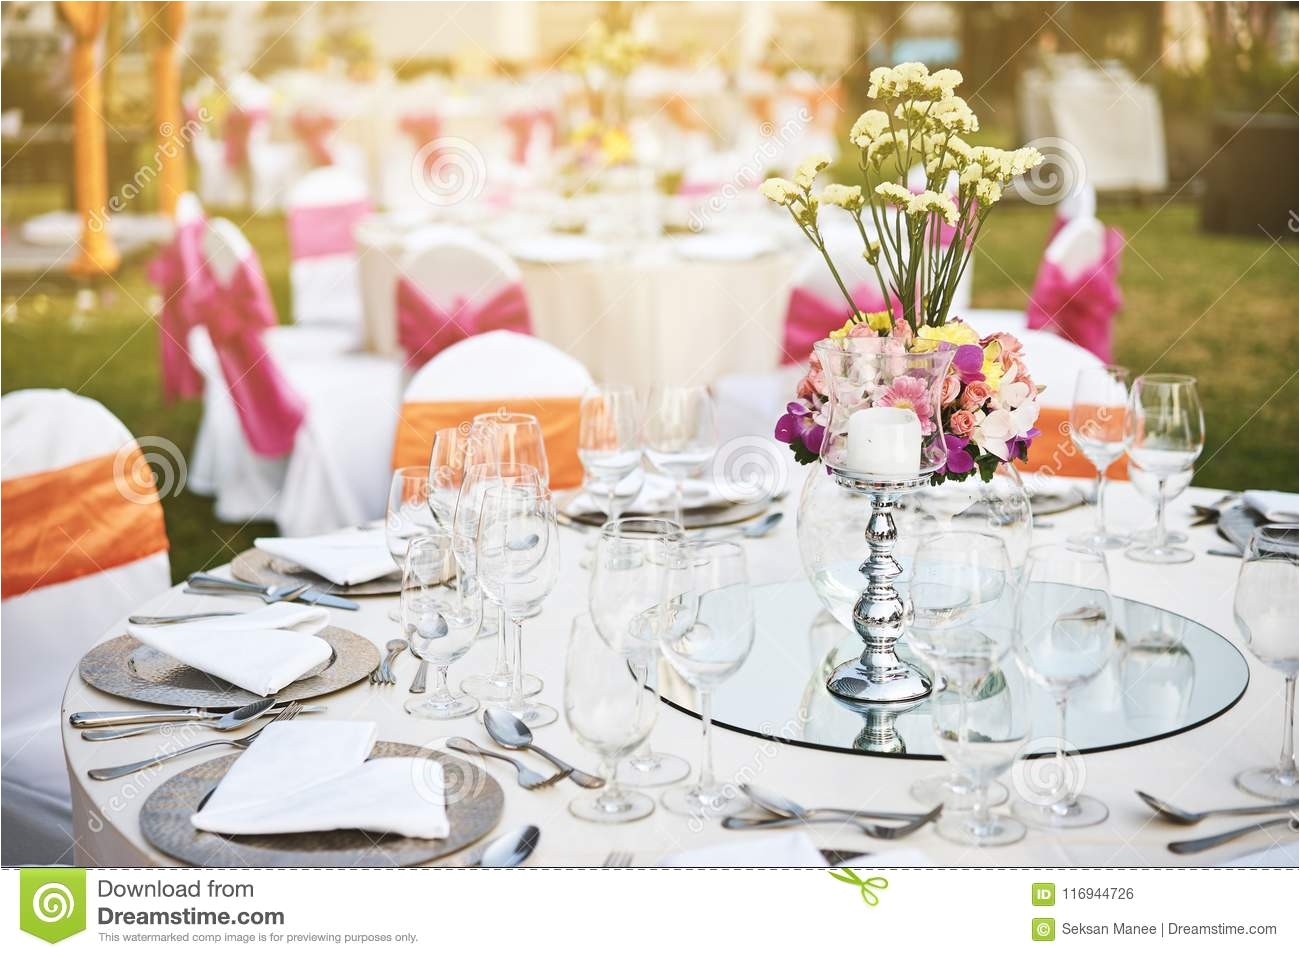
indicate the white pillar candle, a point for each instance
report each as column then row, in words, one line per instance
column 884, row 441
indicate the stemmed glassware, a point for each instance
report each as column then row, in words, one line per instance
column 1065, row 637
column 1165, row 429
column 955, row 578
column 1148, row 486
column 708, row 636
column 1097, row 417
column 447, row 463
column 627, row 600
column 681, row 435
column 409, row 516
column 611, row 710
column 1265, row 608
column 439, row 623
column 515, row 438
column 609, row 439
column 981, row 731
column 518, row 560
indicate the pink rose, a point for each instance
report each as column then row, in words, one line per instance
column 1010, row 344
column 951, row 389
column 902, row 331
column 962, row 423
column 976, row 394
column 861, row 331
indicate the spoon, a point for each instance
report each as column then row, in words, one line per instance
column 784, row 807
column 527, row 777
column 1179, row 816
column 386, row 676
column 510, row 849
column 1205, row 843
column 227, row 722
column 509, row 732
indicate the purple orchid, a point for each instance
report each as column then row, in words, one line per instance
column 1018, row 448
column 798, row 424
column 968, row 363
column 959, row 461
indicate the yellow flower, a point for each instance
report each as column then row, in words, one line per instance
column 992, row 365
column 616, row 146
column 881, row 322
column 843, row 331
column 807, row 171
column 958, row 333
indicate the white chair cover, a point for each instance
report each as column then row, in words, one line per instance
column 48, row 629
column 326, row 287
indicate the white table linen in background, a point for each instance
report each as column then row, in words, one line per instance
column 347, row 557
column 1193, row 769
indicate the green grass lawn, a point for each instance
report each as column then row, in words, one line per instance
column 1221, row 308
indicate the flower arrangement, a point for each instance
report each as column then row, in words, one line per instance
column 918, row 244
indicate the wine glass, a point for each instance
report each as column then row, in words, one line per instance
column 611, row 710
column 499, row 683
column 518, row 560
column 1065, row 636
column 609, row 438
column 681, row 435
column 1265, row 608
column 439, row 623
column 1097, row 430
column 1165, row 428
column 981, row 730
column 954, row 577
column 515, row 438
column 409, row 516
column 629, row 579
column 1148, row 487
column 447, row 464
column 708, row 636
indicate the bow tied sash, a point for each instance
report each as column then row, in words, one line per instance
column 1080, row 308
column 424, row 328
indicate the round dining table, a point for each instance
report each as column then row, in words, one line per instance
column 1192, row 769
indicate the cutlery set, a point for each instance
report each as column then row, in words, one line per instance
column 782, row 812
column 1175, row 815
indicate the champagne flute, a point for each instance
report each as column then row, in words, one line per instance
column 611, row 710
column 515, row 438
column 1065, row 637
column 1265, row 608
column 709, row 634
column 681, row 434
column 499, row 683
column 518, row 559
column 1165, row 428
column 627, row 605
column 1097, row 429
column 440, row 624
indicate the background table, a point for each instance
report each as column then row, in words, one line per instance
column 1194, row 769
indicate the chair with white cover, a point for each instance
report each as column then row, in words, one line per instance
column 1076, row 292
column 83, row 545
column 496, row 372
column 321, row 214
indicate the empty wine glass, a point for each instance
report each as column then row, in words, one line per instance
column 447, row 464
column 954, row 577
column 981, row 730
column 518, row 551
column 409, row 516
column 499, row 683
column 1097, row 430
column 439, row 623
column 681, row 435
column 1165, row 428
column 1149, row 488
column 708, row 636
column 1065, row 637
column 629, row 578
column 609, row 438
column 1265, row 608
column 611, row 710
column 515, row 438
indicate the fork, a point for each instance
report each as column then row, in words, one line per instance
column 384, row 674
column 200, row 583
column 122, row 770
column 618, row 859
column 528, row 779
column 880, row 832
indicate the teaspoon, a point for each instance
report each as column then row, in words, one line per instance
column 510, row 849
column 1179, row 816
column 509, row 732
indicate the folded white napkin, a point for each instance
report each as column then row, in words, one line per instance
column 787, row 849
column 656, row 496
column 261, row 651
column 557, row 248
column 349, row 557
column 725, row 247
column 313, row 775
column 1280, row 507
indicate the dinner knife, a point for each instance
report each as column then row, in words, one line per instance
column 108, row 719
column 312, row 596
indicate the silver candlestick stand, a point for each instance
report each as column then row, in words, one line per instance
column 879, row 616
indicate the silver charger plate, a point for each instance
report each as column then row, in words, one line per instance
column 260, row 568
column 165, row 822
column 692, row 517
column 124, row 667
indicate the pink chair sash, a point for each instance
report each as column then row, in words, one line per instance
column 522, row 126
column 1080, row 309
column 324, row 230
column 172, row 272
column 810, row 317
column 314, row 130
column 236, row 315
column 238, row 129
column 424, row 329
column 422, row 129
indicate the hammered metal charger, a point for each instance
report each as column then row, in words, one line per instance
column 165, row 823
column 261, row 568
column 127, row 668
column 709, row 517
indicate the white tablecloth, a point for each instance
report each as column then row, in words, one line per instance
column 1193, row 769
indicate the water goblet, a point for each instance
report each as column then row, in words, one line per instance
column 515, row 438
column 439, row 623
column 408, row 517
column 1149, row 488
column 1097, row 430
column 1165, row 428
column 681, row 435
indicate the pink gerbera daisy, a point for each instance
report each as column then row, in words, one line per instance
column 909, row 392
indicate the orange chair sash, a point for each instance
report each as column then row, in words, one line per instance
column 71, row 522
column 559, row 418
column 1054, row 453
